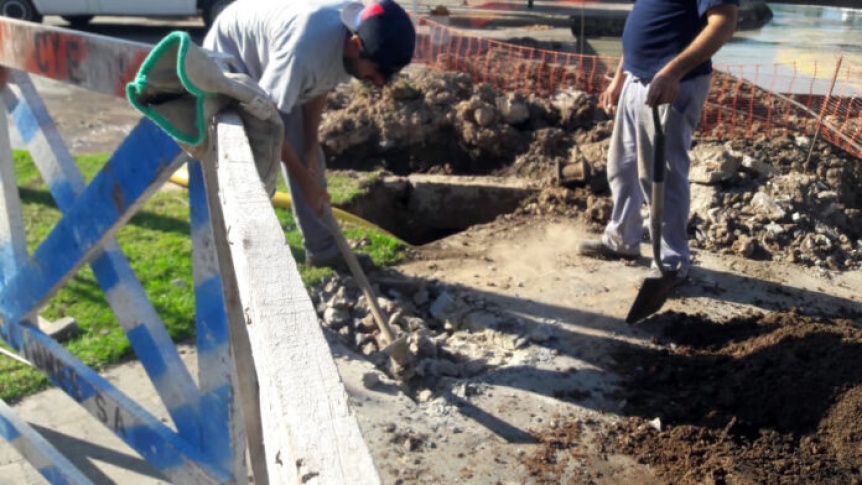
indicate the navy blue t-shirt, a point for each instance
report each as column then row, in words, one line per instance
column 656, row 31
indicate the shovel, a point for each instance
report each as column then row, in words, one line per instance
column 655, row 289
column 397, row 349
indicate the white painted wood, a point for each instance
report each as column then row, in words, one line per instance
column 247, row 381
column 13, row 245
column 311, row 435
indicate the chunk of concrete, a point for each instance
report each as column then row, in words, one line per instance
column 61, row 330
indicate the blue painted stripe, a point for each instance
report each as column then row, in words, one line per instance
column 140, row 337
column 108, row 274
column 27, row 125
column 141, row 160
column 215, row 405
column 54, row 476
column 7, row 430
column 25, row 121
column 63, row 192
column 160, row 446
column 184, row 415
column 211, row 317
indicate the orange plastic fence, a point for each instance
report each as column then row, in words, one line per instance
column 744, row 101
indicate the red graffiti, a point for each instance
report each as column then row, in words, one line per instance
column 129, row 70
column 57, row 56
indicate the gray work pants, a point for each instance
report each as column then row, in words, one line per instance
column 316, row 237
column 631, row 145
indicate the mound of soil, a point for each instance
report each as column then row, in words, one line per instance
column 765, row 398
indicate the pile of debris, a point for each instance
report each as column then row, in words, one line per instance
column 762, row 199
column 450, row 332
column 768, row 200
column 439, row 122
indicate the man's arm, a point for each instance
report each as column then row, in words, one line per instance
column 312, row 114
column 720, row 25
column 611, row 96
column 313, row 191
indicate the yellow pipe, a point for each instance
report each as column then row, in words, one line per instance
column 283, row 201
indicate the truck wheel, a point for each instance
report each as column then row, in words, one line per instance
column 20, row 9
column 211, row 9
column 78, row 21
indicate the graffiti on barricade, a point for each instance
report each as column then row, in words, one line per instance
column 57, row 55
column 92, row 62
column 69, row 379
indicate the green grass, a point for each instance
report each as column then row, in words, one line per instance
column 157, row 244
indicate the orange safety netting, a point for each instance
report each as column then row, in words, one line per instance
column 744, row 100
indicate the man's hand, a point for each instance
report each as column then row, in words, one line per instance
column 662, row 90
column 610, row 97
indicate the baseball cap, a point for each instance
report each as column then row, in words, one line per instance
column 387, row 33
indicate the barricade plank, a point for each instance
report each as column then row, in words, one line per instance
column 13, row 246
column 49, row 462
column 310, row 433
column 124, row 293
column 223, row 431
column 95, row 62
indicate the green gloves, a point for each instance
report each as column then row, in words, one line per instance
column 181, row 89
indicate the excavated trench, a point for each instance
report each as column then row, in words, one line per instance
column 424, row 208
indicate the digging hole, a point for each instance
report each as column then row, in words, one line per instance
column 423, row 208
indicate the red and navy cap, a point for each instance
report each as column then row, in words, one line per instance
column 387, row 33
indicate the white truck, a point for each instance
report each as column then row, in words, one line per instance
column 79, row 12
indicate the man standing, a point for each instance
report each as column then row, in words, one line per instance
column 298, row 51
column 667, row 46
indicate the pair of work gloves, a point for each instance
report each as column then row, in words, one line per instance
column 181, row 87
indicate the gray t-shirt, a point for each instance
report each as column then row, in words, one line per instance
column 292, row 49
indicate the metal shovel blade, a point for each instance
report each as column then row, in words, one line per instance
column 654, row 291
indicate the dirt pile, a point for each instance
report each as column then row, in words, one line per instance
column 434, row 122
column 764, row 398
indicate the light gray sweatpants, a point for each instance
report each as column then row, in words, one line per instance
column 631, row 144
column 317, row 239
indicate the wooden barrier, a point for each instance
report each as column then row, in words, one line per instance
column 267, row 384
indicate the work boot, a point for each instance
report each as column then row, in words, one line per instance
column 595, row 248
column 338, row 263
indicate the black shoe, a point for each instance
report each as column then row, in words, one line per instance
column 338, row 263
column 597, row 249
